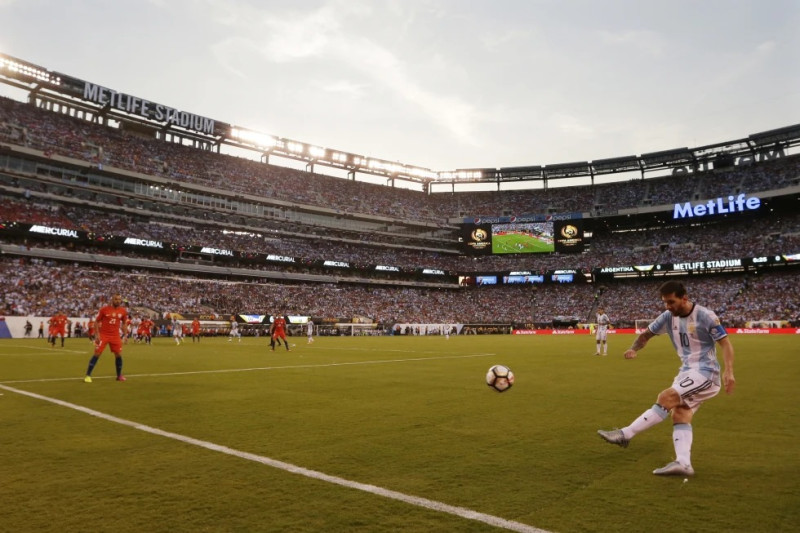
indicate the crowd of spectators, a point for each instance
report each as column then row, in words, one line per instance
column 53, row 133
column 39, row 287
column 764, row 236
column 36, row 287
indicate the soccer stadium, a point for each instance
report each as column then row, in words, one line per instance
column 380, row 420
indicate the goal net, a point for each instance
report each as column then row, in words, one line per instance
column 641, row 324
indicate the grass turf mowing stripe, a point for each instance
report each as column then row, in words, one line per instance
column 434, row 505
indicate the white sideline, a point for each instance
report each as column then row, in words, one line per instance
column 461, row 512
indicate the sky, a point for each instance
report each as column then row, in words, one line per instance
column 440, row 84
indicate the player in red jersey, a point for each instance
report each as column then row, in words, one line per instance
column 58, row 327
column 108, row 323
column 195, row 330
column 145, row 330
column 278, row 330
column 90, row 330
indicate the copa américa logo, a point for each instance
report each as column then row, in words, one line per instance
column 569, row 231
column 479, row 235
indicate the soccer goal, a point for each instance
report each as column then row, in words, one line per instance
column 641, row 324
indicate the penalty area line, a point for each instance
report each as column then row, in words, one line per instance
column 434, row 505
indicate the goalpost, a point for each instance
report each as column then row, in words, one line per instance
column 641, row 324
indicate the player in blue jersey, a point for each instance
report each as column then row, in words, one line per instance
column 601, row 333
column 695, row 331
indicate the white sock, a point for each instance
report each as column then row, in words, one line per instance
column 646, row 420
column 682, row 440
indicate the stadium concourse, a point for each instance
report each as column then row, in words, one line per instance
column 62, row 172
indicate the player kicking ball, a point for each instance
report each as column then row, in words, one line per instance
column 695, row 332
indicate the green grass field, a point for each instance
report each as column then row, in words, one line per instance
column 200, row 438
column 515, row 244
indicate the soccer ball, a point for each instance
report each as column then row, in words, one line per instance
column 500, row 378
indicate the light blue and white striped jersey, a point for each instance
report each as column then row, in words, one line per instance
column 694, row 338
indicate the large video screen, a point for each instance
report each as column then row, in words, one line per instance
column 523, row 238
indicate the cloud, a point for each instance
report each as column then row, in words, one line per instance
column 573, row 126
column 766, row 47
column 492, row 41
column 325, row 34
column 643, row 40
column 345, row 87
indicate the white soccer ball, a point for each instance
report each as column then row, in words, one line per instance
column 500, row 378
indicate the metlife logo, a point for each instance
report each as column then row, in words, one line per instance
column 733, row 204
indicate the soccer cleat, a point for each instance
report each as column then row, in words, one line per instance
column 615, row 436
column 87, row 379
column 121, row 378
column 597, row 353
column 674, row 469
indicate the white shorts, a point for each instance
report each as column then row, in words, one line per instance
column 694, row 388
column 602, row 333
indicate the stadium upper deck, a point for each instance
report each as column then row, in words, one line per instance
column 105, row 158
column 72, row 96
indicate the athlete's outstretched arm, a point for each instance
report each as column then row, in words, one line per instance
column 639, row 343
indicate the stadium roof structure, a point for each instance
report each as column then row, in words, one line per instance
column 70, row 95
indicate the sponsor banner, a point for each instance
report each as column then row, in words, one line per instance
column 521, row 218
column 143, row 243
column 56, row 232
column 764, row 331
column 280, row 258
column 630, row 331
column 552, row 331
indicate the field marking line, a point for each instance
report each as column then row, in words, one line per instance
column 230, row 370
column 434, row 505
column 48, row 349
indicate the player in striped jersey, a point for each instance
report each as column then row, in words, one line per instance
column 695, row 332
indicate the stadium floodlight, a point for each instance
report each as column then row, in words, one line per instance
column 339, row 157
column 316, row 151
column 461, row 175
column 295, row 147
column 421, row 172
column 17, row 68
column 385, row 166
column 253, row 137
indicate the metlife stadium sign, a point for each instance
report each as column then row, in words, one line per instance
column 737, row 204
column 145, row 108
